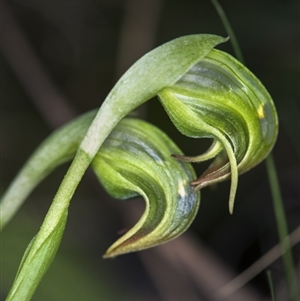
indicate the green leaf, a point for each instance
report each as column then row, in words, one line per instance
column 135, row 160
column 220, row 98
column 58, row 148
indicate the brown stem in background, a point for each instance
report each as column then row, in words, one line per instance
column 186, row 265
column 137, row 35
column 138, row 31
column 30, row 72
column 259, row 266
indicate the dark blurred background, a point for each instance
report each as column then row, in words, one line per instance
column 60, row 58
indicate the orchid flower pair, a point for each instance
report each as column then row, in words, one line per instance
column 206, row 93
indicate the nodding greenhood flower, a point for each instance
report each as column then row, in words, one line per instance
column 135, row 160
column 219, row 98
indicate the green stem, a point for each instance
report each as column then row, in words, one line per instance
column 66, row 190
column 41, row 252
column 280, row 216
column 282, row 228
column 271, row 285
column 234, row 42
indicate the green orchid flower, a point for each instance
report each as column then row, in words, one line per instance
column 135, row 160
column 219, row 98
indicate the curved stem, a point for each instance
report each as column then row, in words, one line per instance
column 281, row 220
column 282, row 228
column 66, row 190
column 42, row 250
column 234, row 42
